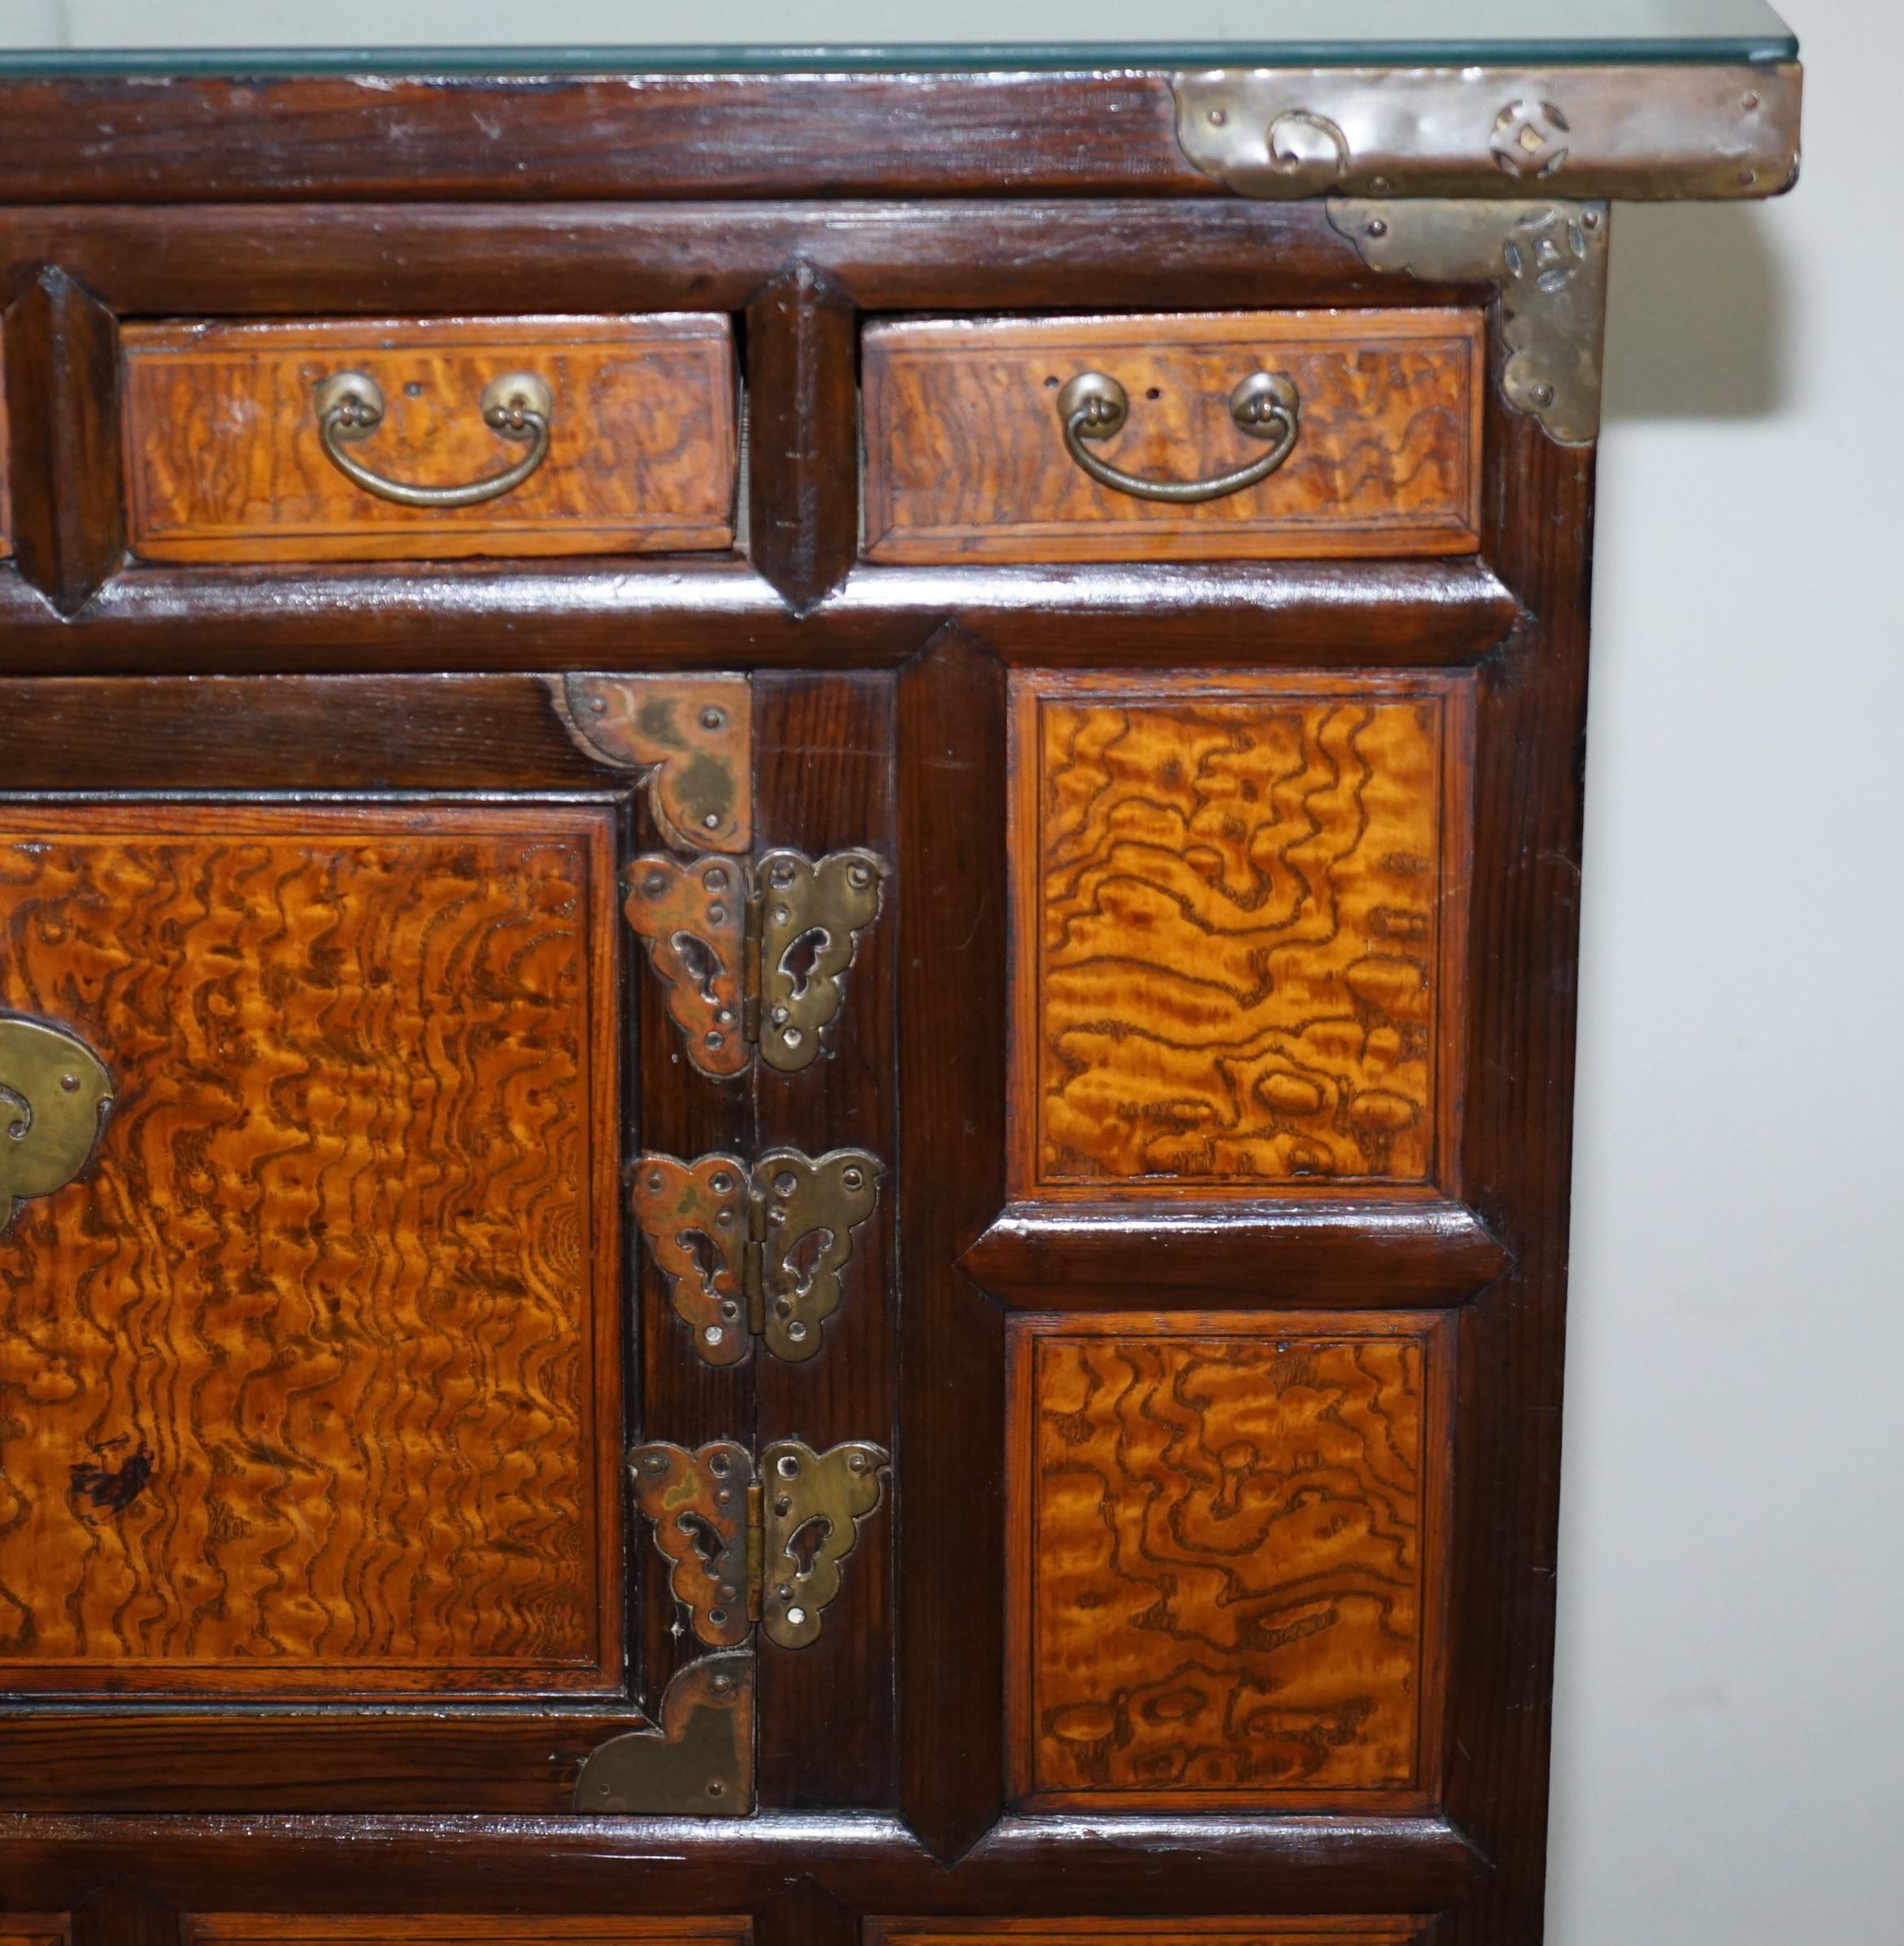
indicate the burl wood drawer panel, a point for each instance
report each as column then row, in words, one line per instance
column 223, row 461
column 27, row 1929
column 1239, row 911
column 1227, row 1559
column 515, row 1929
column 965, row 457
column 1282, row 1931
column 309, row 1382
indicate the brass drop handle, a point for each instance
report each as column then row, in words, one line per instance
column 1264, row 406
column 516, row 406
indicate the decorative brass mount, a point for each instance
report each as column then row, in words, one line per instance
column 764, row 1543
column 698, row 1761
column 1635, row 131
column 753, row 959
column 1548, row 260
column 692, row 735
column 755, row 1253
column 54, row 1095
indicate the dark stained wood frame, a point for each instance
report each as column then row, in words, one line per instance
column 136, row 679
column 1433, row 1331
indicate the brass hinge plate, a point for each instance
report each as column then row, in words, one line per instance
column 763, row 1543
column 753, row 960
column 754, row 1253
column 55, row 1093
column 698, row 1761
column 691, row 737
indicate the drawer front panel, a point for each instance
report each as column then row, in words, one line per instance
column 5, row 472
column 1226, row 1558
column 1318, row 1930
column 23, row 1929
column 458, row 1929
column 225, row 463
column 967, row 459
column 1238, row 920
column 308, row 1383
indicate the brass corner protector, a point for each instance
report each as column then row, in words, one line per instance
column 55, row 1094
column 692, row 735
column 698, row 1761
column 1548, row 261
column 1638, row 131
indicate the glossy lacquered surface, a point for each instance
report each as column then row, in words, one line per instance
column 1069, row 33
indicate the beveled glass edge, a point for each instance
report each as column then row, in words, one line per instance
column 522, row 62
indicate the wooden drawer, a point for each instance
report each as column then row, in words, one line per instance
column 460, row 1928
column 224, row 459
column 967, row 457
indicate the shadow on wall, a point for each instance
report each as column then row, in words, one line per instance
column 1698, row 314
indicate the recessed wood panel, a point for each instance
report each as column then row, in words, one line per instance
column 965, row 457
column 25, row 1929
column 310, row 1382
column 223, row 464
column 1322, row 1930
column 1239, row 926
column 515, row 1929
column 1226, row 1558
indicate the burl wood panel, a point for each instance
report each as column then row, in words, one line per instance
column 1321, row 1930
column 223, row 461
column 1226, row 1558
column 310, row 1383
column 965, row 459
column 1239, row 924
column 21, row 1929
column 354, row 1929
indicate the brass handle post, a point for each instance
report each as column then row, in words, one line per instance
column 1093, row 405
column 517, row 406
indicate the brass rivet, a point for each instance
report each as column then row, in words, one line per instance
column 1749, row 101
column 1541, row 395
column 598, row 705
column 1218, row 118
column 1378, row 227
column 712, row 719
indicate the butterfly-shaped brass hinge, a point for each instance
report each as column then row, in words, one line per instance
column 757, row 1542
column 753, row 958
column 754, row 1253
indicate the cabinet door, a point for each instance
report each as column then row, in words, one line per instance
column 313, row 1355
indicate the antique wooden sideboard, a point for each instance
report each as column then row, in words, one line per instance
column 789, row 860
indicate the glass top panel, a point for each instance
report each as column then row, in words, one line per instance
column 428, row 37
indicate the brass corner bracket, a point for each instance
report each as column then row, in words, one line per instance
column 691, row 735
column 761, row 1542
column 698, row 1761
column 1639, row 131
column 55, row 1093
column 755, row 1252
column 1548, row 261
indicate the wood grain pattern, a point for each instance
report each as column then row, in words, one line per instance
column 1226, row 1558
column 1318, row 1930
column 25, row 1929
column 310, row 1384
column 223, row 462
column 1238, row 930
column 965, row 457
column 458, row 1929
